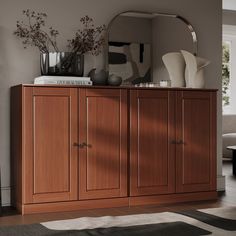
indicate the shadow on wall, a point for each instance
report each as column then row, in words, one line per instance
column 4, row 117
column 13, row 61
column 4, row 60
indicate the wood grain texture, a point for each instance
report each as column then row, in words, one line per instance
column 50, row 159
column 128, row 87
column 74, row 205
column 52, row 143
column 172, row 198
column 27, row 155
column 51, row 174
column 117, row 202
column 103, row 126
column 196, row 127
column 152, row 156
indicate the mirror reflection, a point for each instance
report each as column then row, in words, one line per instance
column 137, row 42
column 131, row 61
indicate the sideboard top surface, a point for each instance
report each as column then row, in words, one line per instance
column 117, row 87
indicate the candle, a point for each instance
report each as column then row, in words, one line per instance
column 164, row 83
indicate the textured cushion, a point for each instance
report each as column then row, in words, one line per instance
column 228, row 140
column 229, row 124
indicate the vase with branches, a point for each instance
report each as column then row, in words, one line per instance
column 33, row 31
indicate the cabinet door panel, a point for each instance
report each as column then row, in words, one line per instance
column 103, row 126
column 51, row 136
column 196, row 127
column 51, row 160
column 152, row 154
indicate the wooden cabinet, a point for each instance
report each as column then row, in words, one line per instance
column 172, row 142
column 103, row 127
column 91, row 147
column 196, row 141
column 74, row 138
column 50, row 121
column 152, row 154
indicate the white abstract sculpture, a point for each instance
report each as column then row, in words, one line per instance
column 185, row 69
column 194, row 73
column 175, row 64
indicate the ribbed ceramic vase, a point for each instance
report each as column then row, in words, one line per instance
column 175, row 65
column 194, row 71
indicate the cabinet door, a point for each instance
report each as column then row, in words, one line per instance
column 196, row 138
column 50, row 160
column 152, row 148
column 103, row 156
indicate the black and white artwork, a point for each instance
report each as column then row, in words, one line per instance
column 131, row 61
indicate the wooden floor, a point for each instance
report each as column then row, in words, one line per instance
column 228, row 198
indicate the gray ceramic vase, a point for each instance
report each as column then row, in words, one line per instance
column 114, row 80
column 98, row 77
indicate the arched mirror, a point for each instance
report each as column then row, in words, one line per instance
column 137, row 41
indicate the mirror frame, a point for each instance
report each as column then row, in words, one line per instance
column 184, row 20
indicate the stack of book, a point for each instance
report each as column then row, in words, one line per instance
column 63, row 80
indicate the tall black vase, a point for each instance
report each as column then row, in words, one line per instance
column 62, row 64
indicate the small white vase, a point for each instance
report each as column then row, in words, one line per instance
column 194, row 71
column 175, row 65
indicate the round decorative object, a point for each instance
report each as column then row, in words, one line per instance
column 98, row 77
column 114, row 80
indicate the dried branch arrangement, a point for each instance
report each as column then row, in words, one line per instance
column 33, row 32
column 89, row 39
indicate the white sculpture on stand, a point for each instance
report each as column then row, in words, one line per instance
column 185, row 69
column 175, row 65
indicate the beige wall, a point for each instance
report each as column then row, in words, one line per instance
column 229, row 34
column 21, row 66
column 169, row 35
column 131, row 29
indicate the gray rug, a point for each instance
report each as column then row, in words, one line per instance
column 214, row 221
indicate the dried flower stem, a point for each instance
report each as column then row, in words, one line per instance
column 32, row 33
column 89, row 39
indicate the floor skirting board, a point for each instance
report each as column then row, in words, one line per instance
column 220, row 183
column 6, row 191
column 6, row 196
column 115, row 202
